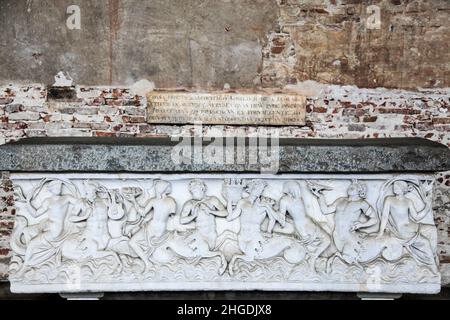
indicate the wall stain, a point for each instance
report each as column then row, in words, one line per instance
column 114, row 27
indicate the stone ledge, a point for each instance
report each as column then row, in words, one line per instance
column 152, row 155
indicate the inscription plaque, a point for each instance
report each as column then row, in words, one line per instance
column 226, row 108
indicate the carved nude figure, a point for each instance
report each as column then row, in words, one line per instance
column 200, row 210
column 71, row 229
column 90, row 240
column 203, row 210
column 348, row 213
column 414, row 227
column 96, row 235
column 117, row 223
column 57, row 207
column 130, row 204
column 156, row 214
column 311, row 234
column 254, row 245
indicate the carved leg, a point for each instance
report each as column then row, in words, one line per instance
column 346, row 259
column 105, row 254
column 211, row 254
column 141, row 254
column 325, row 243
column 330, row 261
column 183, row 250
column 119, row 262
column 232, row 262
column 359, row 265
column 197, row 248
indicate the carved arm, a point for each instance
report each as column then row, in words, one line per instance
column 324, row 207
column 217, row 208
column 188, row 213
column 145, row 212
column 372, row 219
column 40, row 211
column 234, row 214
column 384, row 217
column 415, row 214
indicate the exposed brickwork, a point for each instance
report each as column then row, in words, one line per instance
column 332, row 112
column 7, row 213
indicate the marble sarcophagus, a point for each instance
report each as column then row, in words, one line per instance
column 98, row 215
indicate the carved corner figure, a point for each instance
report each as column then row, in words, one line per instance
column 61, row 234
column 407, row 216
column 57, row 207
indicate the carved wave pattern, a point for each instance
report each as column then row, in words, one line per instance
column 380, row 271
column 270, row 270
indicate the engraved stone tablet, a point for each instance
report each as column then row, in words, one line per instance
column 226, row 108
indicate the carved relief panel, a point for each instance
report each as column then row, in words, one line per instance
column 366, row 233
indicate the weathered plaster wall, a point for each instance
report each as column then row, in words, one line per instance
column 245, row 43
column 172, row 42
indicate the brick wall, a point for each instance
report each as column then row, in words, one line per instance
column 332, row 112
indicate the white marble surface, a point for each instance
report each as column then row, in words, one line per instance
column 124, row 232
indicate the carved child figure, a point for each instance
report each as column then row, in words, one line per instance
column 252, row 212
column 154, row 226
column 203, row 210
column 130, row 204
column 96, row 235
